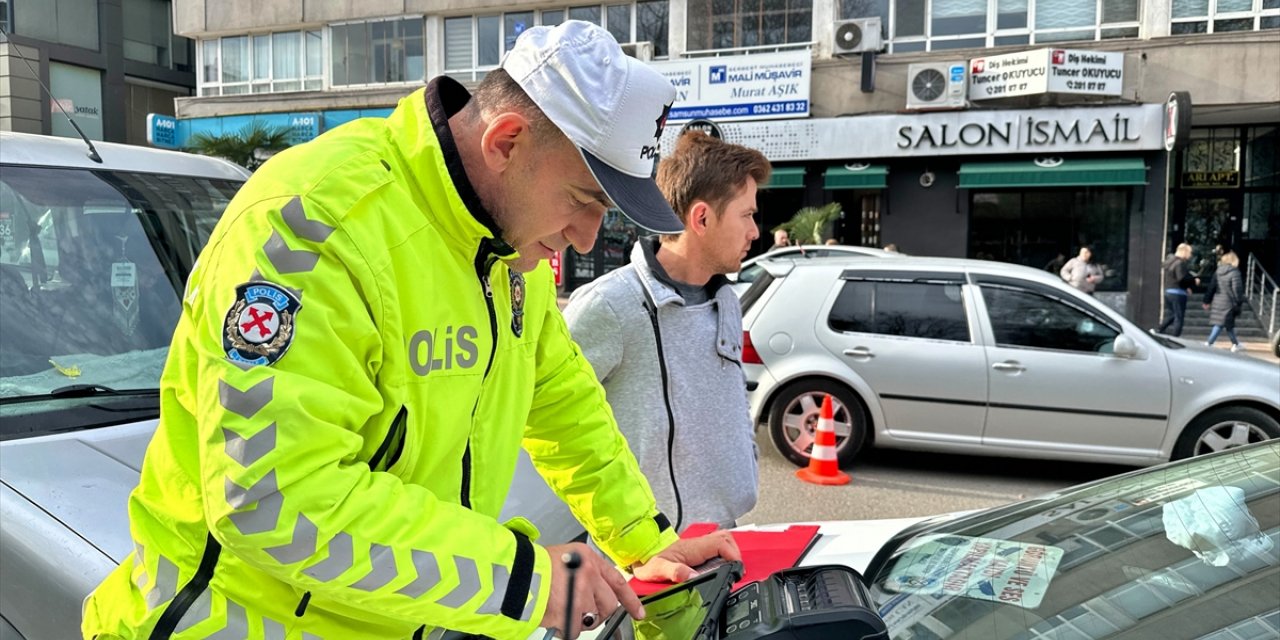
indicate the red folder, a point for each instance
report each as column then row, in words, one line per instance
column 763, row 552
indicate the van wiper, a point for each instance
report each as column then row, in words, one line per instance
column 82, row 391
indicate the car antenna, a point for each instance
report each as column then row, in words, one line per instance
column 93, row 153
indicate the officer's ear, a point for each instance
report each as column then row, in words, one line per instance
column 699, row 217
column 504, row 137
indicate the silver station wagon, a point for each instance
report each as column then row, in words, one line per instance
column 979, row 357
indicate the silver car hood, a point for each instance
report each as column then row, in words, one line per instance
column 82, row 479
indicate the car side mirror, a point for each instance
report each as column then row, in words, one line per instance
column 1124, row 346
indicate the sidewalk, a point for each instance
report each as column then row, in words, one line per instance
column 1257, row 348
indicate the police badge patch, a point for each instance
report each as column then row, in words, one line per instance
column 516, row 280
column 259, row 326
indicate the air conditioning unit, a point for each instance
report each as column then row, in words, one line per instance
column 937, row 85
column 638, row 50
column 861, row 34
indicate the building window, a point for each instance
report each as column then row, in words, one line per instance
column 262, row 63
column 473, row 45
column 71, row 22
column 6, row 20
column 148, row 35
column 1218, row 16
column 379, row 52
column 938, row 25
column 1045, row 227
column 742, row 24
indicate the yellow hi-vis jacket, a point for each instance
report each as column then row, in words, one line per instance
column 342, row 408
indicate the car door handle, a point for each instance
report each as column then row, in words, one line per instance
column 860, row 352
column 1008, row 366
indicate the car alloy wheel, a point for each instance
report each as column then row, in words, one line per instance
column 793, row 420
column 1228, row 435
column 1225, row 428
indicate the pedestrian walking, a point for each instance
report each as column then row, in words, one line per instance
column 1225, row 300
column 1178, row 282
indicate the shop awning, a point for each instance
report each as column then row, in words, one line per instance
column 1105, row 172
column 786, row 178
column 867, row 176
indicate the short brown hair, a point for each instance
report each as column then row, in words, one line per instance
column 498, row 92
column 1230, row 258
column 708, row 169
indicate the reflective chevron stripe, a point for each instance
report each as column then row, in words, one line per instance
column 239, row 497
column 339, row 560
column 237, row 626
column 493, row 604
column 287, row 260
column 246, row 403
column 301, row 226
column 165, row 585
column 265, row 516
column 382, row 569
column 428, row 574
column 199, row 612
column 533, row 598
column 468, row 584
column 302, row 546
column 247, row 451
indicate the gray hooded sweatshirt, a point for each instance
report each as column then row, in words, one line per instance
column 683, row 406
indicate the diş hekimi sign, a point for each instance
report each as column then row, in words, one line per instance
column 1099, row 73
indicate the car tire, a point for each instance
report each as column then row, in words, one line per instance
column 1225, row 428
column 793, row 417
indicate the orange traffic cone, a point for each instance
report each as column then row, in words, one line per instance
column 823, row 467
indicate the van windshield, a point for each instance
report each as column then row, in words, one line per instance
column 92, row 265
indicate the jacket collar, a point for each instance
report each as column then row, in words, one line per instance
column 420, row 130
column 644, row 255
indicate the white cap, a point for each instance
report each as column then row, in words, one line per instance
column 612, row 106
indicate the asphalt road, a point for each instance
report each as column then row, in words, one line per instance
column 899, row 484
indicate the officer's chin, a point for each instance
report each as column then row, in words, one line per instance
column 523, row 263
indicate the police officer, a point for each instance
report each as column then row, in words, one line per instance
column 366, row 342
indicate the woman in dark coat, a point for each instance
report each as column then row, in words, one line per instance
column 1224, row 299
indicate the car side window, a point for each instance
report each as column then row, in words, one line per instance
column 909, row 309
column 1021, row 318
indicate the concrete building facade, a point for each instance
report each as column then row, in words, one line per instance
column 106, row 62
column 1022, row 173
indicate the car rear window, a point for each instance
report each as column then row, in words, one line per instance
column 756, row 290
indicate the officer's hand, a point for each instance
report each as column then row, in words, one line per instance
column 676, row 562
column 598, row 589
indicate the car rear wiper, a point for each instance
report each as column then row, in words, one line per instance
column 82, row 391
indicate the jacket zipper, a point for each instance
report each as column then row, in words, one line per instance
column 396, row 437
column 190, row 591
column 483, row 264
column 652, row 308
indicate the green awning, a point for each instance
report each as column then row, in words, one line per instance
column 786, row 178
column 869, row 176
column 1106, row 172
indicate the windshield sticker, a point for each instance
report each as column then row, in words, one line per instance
column 1016, row 573
column 259, row 326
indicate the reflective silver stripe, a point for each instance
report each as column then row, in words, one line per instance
column 310, row 636
column 437, row 633
column 468, row 584
column 249, row 450
column 166, row 584
column 256, row 276
column 140, row 561
column 339, row 560
column 287, row 260
column 382, row 569
column 246, row 403
column 240, row 497
column 272, row 630
column 199, row 612
column 296, row 218
column 534, row 584
column 428, row 574
column 264, row 518
column 237, row 626
column 493, row 604
column 303, row 545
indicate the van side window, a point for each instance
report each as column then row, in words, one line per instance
column 909, row 309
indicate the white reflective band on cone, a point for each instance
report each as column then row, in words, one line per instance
column 825, row 424
column 823, row 452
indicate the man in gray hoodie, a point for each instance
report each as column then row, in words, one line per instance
column 664, row 335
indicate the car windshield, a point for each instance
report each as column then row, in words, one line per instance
column 1187, row 550
column 92, row 265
